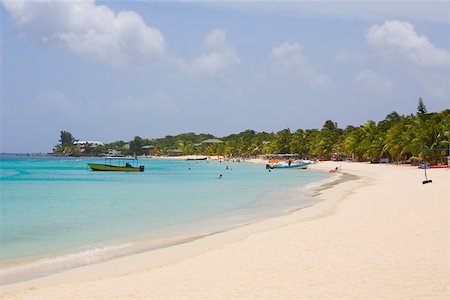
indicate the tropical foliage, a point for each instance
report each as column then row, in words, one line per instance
column 66, row 143
column 424, row 136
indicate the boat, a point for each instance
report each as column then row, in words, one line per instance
column 121, row 164
column 433, row 167
column 197, row 158
column 288, row 165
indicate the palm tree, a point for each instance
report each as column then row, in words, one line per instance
column 352, row 143
column 282, row 141
column 398, row 139
column 298, row 144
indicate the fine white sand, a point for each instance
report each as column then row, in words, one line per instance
column 384, row 235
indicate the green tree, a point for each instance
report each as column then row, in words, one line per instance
column 136, row 145
column 326, row 142
column 329, row 125
column 298, row 142
column 282, row 141
column 352, row 143
column 311, row 143
column 390, row 120
column 373, row 141
column 67, row 139
column 395, row 142
column 421, row 108
column 66, row 145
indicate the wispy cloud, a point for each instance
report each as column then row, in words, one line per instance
column 347, row 56
column 158, row 102
column 374, row 82
column 289, row 60
column 398, row 40
column 216, row 62
column 431, row 11
column 218, row 57
column 94, row 32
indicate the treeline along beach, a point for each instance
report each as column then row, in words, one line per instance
column 398, row 138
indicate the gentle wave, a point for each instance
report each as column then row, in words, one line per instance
column 16, row 270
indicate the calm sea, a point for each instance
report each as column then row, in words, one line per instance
column 57, row 214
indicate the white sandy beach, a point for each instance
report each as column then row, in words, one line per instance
column 382, row 236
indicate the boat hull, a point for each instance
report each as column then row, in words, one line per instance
column 102, row 167
column 293, row 166
column 433, row 167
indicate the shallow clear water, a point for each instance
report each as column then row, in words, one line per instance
column 51, row 206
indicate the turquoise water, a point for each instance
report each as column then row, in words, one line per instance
column 57, row 207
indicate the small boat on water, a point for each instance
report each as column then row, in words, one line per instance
column 123, row 164
column 197, row 158
column 298, row 164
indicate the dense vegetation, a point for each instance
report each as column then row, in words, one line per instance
column 397, row 137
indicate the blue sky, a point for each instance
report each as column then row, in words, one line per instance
column 111, row 70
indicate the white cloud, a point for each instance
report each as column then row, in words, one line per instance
column 92, row 31
column 216, row 39
column 346, row 56
column 216, row 62
column 374, row 82
column 218, row 57
column 399, row 40
column 288, row 59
